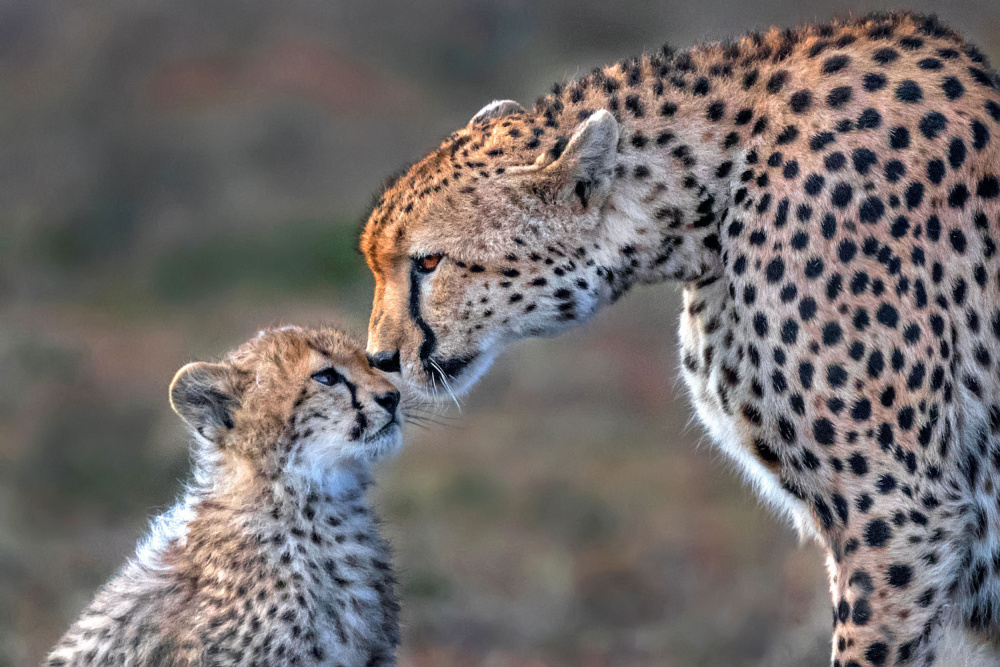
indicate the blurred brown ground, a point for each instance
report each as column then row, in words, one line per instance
column 176, row 175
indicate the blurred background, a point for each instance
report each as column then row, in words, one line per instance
column 177, row 175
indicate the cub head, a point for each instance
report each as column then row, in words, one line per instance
column 290, row 397
column 488, row 240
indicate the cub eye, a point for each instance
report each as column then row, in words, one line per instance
column 327, row 376
column 428, row 263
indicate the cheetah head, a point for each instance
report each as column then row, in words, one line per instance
column 485, row 242
column 290, row 399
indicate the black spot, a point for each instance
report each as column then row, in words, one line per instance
column 813, row 268
column 981, row 77
column 935, row 171
column 909, row 91
column 788, row 135
column 760, row 325
column 899, row 138
column 801, row 101
column 835, row 161
column 777, row 82
column 839, row 96
column 887, row 315
column 914, row 195
column 873, row 82
column 832, row 333
column 958, row 241
column 634, row 106
column 835, row 64
column 958, row 196
column 863, row 160
column 885, row 56
column 877, row 653
column 715, row 111
column 791, row 169
column 807, row 308
column 930, row 64
column 789, row 332
column 841, row 195
column 993, row 109
column 877, row 533
column 824, row 432
column 988, row 187
column 862, row 612
column 869, row 119
column 871, row 211
column 775, row 270
column 821, row 141
column 980, row 135
column 894, row 170
column 956, row 153
column 953, row 88
column 933, row 124
column 814, row 184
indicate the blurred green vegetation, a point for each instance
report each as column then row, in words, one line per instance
column 294, row 258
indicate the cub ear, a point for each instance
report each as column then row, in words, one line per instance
column 585, row 168
column 202, row 394
column 497, row 109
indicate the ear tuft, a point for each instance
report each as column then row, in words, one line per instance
column 202, row 395
column 585, row 166
column 497, row 109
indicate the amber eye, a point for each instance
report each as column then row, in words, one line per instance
column 428, row 263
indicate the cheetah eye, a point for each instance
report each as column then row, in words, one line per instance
column 428, row 263
column 327, row 376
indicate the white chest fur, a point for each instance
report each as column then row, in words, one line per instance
column 705, row 352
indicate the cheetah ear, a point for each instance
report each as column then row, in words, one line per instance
column 497, row 109
column 584, row 170
column 202, row 394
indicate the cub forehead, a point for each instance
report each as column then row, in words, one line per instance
column 293, row 345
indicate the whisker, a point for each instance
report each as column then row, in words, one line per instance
column 447, row 385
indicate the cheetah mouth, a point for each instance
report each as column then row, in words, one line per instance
column 445, row 372
column 384, row 432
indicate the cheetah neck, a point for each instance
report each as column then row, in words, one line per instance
column 677, row 168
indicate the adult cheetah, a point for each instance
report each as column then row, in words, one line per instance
column 829, row 198
column 273, row 557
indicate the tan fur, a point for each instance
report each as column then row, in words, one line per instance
column 829, row 198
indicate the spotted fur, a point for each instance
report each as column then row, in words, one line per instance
column 829, row 198
column 273, row 557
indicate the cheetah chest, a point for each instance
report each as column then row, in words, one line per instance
column 709, row 353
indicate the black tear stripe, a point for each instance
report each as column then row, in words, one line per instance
column 430, row 340
column 353, row 389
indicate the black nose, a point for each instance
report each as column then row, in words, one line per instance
column 389, row 401
column 387, row 362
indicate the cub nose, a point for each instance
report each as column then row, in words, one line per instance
column 389, row 401
column 385, row 361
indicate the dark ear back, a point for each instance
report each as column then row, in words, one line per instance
column 585, row 168
column 202, row 394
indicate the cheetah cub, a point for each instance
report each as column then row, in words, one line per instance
column 273, row 556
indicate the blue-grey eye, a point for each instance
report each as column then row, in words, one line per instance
column 327, row 376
